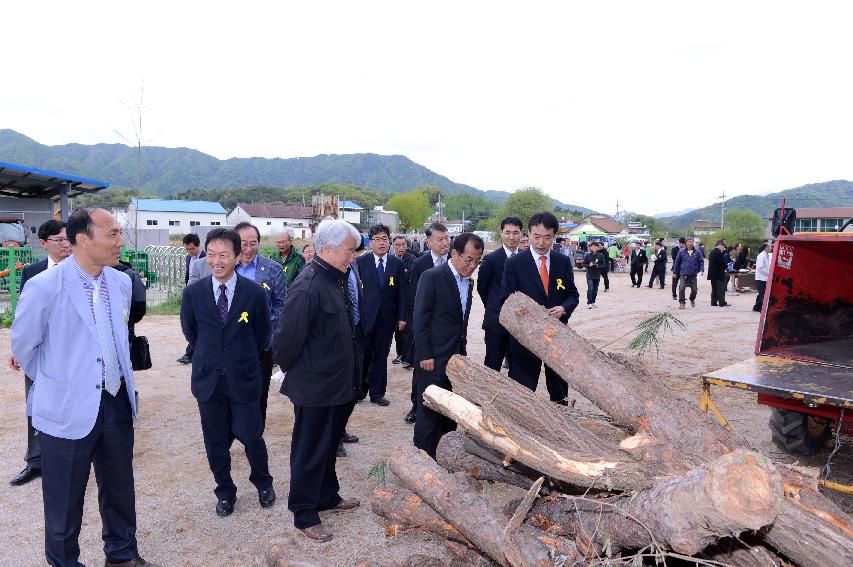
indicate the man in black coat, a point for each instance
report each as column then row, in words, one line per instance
column 227, row 319
column 315, row 347
column 53, row 239
column 717, row 264
column 659, row 266
column 442, row 308
column 384, row 289
column 403, row 339
column 192, row 246
column 436, row 245
column 489, row 288
column 548, row 279
column 639, row 260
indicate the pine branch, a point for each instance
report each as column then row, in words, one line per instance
column 650, row 330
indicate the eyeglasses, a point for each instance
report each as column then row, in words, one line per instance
column 379, row 239
column 57, row 240
column 471, row 261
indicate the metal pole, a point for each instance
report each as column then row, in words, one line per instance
column 63, row 202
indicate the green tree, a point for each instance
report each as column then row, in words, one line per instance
column 473, row 207
column 525, row 202
column 413, row 207
column 431, row 192
column 110, row 198
column 746, row 226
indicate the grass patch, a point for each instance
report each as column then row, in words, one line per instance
column 168, row 307
column 6, row 319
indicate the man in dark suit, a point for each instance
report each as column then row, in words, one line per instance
column 53, row 239
column 548, row 279
column 682, row 244
column 226, row 317
column 717, row 264
column 384, row 287
column 192, row 246
column 659, row 267
column 638, row 260
column 436, row 245
column 403, row 339
column 489, row 288
column 316, row 349
column 442, row 307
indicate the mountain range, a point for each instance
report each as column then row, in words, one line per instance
column 167, row 171
column 827, row 194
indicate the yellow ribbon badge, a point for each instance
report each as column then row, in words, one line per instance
column 391, row 281
column 362, row 285
column 244, row 317
column 285, row 269
column 560, row 284
column 265, row 285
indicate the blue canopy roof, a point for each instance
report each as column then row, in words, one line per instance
column 348, row 205
column 30, row 182
column 178, row 206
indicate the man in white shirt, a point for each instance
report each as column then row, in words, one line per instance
column 762, row 272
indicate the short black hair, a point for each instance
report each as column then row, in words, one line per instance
column 191, row 239
column 463, row 239
column 240, row 226
column 227, row 235
column 378, row 229
column 546, row 219
column 80, row 221
column 435, row 226
column 398, row 237
column 50, row 228
column 515, row 221
column 682, row 240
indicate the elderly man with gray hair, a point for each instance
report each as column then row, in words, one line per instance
column 291, row 261
column 315, row 347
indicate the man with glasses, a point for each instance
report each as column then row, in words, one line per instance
column 53, row 239
column 442, row 308
column 383, row 281
column 291, row 260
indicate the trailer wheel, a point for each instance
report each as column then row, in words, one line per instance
column 798, row 433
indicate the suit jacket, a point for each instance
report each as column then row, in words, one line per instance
column 55, row 341
column 189, row 260
column 419, row 266
column 232, row 348
column 520, row 274
column 388, row 297
column 717, row 264
column 408, row 260
column 440, row 330
column 31, row 271
column 198, row 270
column 270, row 276
column 489, row 281
column 639, row 257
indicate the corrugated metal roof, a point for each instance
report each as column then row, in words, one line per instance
column 277, row 211
column 22, row 181
column 178, row 206
column 348, row 205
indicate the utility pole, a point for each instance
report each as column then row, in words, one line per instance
column 617, row 209
column 723, row 210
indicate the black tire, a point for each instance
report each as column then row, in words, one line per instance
column 798, row 433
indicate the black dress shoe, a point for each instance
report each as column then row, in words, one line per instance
column 380, row 401
column 408, row 366
column 185, row 359
column 342, row 451
column 410, row 417
column 29, row 473
column 397, row 360
column 347, row 438
column 266, row 497
column 225, row 507
column 562, row 402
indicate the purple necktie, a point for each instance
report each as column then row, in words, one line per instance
column 222, row 303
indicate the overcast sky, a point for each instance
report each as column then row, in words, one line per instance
column 659, row 105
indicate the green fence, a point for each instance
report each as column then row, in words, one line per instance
column 12, row 261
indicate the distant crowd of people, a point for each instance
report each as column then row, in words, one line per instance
column 324, row 315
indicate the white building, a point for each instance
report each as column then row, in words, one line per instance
column 350, row 212
column 180, row 217
column 271, row 218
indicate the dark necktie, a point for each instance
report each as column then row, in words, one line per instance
column 380, row 272
column 222, row 303
column 353, row 294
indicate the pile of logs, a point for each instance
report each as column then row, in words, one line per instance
column 651, row 477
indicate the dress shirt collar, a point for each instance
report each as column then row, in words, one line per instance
column 229, row 285
column 509, row 252
column 384, row 259
column 51, row 263
column 254, row 263
column 435, row 258
column 456, row 275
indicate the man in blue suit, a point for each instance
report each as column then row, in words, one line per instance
column 193, row 247
column 70, row 336
column 226, row 317
column 547, row 278
column 269, row 275
column 384, row 281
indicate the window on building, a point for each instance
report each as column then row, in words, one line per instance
column 195, row 223
column 174, row 223
column 284, row 223
column 269, row 223
column 151, row 222
column 214, row 223
column 33, row 229
column 806, row 225
column 831, row 225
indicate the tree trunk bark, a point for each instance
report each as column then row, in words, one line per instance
column 738, row 492
column 406, row 512
column 809, row 530
column 450, row 496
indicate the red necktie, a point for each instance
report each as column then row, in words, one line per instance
column 543, row 272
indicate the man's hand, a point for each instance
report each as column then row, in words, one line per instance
column 13, row 363
column 401, row 325
column 428, row 364
column 557, row 311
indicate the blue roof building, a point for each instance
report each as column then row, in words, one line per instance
column 180, row 217
column 178, row 206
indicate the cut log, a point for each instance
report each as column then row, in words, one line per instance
column 464, row 555
column 742, row 552
column 474, row 517
column 453, row 456
column 739, row 491
column 406, row 512
column 809, row 530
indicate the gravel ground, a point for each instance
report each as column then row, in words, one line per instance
column 175, row 501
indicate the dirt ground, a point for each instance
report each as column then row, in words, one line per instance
column 175, row 501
